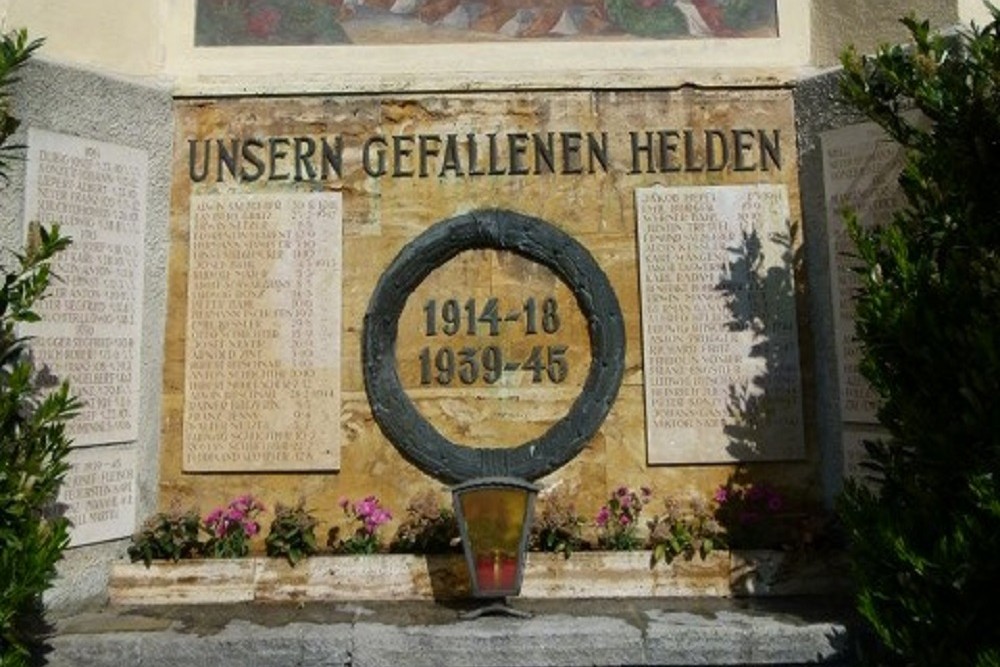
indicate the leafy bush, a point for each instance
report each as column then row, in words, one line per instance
column 618, row 519
column 925, row 531
column 557, row 527
column 292, row 534
column 231, row 528
column 369, row 516
column 169, row 535
column 429, row 528
column 33, row 412
column 687, row 528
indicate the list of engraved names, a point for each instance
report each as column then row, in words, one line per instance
column 720, row 350
column 92, row 320
column 860, row 168
column 262, row 371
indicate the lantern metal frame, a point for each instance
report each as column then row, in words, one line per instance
column 506, row 583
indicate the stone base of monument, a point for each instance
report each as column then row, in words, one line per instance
column 583, row 575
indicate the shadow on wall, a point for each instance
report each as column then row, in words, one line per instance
column 761, row 301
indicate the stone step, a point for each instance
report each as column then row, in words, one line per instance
column 635, row 632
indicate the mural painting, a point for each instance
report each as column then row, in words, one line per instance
column 305, row 22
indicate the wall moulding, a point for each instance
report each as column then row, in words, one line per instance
column 601, row 63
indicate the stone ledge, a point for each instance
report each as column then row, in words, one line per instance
column 623, row 631
column 406, row 577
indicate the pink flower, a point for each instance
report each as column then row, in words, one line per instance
column 624, row 519
column 602, row 516
column 721, row 495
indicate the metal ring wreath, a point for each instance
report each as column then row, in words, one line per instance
column 536, row 240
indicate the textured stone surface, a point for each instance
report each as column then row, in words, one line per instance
column 597, row 633
column 625, row 140
column 585, row 575
column 81, row 103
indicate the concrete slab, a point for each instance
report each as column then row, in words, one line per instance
column 421, row 634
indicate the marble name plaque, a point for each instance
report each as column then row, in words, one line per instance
column 262, row 371
column 860, row 169
column 91, row 321
column 720, row 340
column 99, row 493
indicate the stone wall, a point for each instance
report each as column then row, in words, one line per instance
column 258, row 346
column 92, row 112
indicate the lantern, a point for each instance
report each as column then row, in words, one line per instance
column 494, row 516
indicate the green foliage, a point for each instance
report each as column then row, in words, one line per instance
column 687, row 528
column 293, row 533
column 231, row 528
column 925, row 529
column 557, row 527
column 33, row 412
column 33, row 451
column 746, row 14
column 638, row 18
column 618, row 519
column 167, row 536
column 15, row 50
column 367, row 515
column 428, row 528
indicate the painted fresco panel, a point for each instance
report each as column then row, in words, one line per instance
column 301, row 22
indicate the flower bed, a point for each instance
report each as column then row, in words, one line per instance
column 588, row 574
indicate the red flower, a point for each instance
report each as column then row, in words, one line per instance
column 263, row 22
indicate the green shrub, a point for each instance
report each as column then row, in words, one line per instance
column 925, row 530
column 428, row 528
column 557, row 526
column 33, row 441
column 686, row 528
column 171, row 535
column 293, row 533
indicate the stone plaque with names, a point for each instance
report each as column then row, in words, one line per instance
column 720, row 341
column 860, row 170
column 262, row 373
column 854, row 451
column 91, row 324
column 99, row 493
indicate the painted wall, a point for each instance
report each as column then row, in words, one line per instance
column 155, row 39
column 120, row 37
column 837, row 23
column 973, row 10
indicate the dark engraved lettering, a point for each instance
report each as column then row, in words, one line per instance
column 716, row 150
column 770, row 149
column 193, row 158
column 304, row 149
column 374, row 145
column 427, row 145
column 249, row 154
column 539, row 241
column 544, row 153
column 742, row 146
column 227, row 158
column 668, row 150
column 402, row 147
column 517, row 148
column 332, row 157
